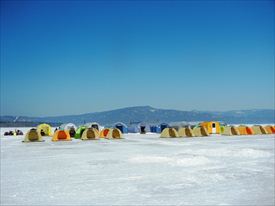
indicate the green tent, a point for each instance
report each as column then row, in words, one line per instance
column 79, row 132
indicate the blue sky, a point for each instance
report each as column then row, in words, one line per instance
column 85, row 56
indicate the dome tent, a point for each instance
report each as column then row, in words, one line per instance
column 33, row 136
column 189, row 132
column 169, row 132
column 114, row 134
column 154, row 128
column 181, row 132
column 186, row 132
column 133, row 128
column 103, row 133
column 144, row 128
column 139, row 127
column 230, row 130
column 122, row 127
column 79, row 132
column 61, row 135
column 200, row 132
column 70, row 127
column 44, row 129
column 258, row 129
column 244, row 130
column 90, row 134
column 270, row 129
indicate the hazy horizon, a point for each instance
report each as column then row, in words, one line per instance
column 107, row 110
column 70, row 57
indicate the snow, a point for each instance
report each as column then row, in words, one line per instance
column 138, row 170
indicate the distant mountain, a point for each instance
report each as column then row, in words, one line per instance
column 153, row 115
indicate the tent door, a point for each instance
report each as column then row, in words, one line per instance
column 214, row 131
column 142, row 130
column 120, row 128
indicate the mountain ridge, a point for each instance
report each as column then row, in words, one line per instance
column 154, row 115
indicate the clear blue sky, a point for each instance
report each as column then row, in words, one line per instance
column 84, row 56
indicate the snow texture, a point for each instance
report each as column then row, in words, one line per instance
column 139, row 170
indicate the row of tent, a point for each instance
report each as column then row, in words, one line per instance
column 118, row 129
column 68, row 132
column 142, row 128
column 139, row 127
column 202, row 130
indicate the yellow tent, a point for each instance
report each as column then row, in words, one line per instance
column 33, row 136
column 103, row 133
column 270, row 129
column 244, row 130
column 181, row 132
column 90, row 134
column 230, row 130
column 169, row 132
column 114, row 134
column 44, row 129
column 258, row 129
column 61, row 135
column 189, row 132
column 200, row 132
column 212, row 127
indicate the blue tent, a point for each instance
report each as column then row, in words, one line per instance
column 133, row 128
column 122, row 127
column 138, row 127
column 155, row 128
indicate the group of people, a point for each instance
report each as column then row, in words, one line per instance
column 16, row 132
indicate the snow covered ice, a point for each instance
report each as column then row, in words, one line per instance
column 139, row 170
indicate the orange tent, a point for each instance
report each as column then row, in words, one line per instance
column 104, row 132
column 61, row 135
column 244, row 130
column 270, row 129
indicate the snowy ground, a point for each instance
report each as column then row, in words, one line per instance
column 140, row 169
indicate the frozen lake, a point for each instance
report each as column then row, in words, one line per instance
column 139, row 170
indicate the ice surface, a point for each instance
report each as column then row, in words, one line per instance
column 139, row 170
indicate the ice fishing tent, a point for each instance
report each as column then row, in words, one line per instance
column 244, row 130
column 61, row 135
column 138, row 127
column 70, row 127
column 189, row 132
column 181, row 132
column 144, row 128
column 258, row 129
column 230, row 130
column 44, row 129
column 122, row 127
column 169, row 132
column 270, row 129
column 212, row 127
column 235, row 130
column 134, row 128
column 200, row 132
column 79, row 132
column 33, row 135
column 114, row 134
column 163, row 126
column 103, row 133
column 154, row 128
column 90, row 134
